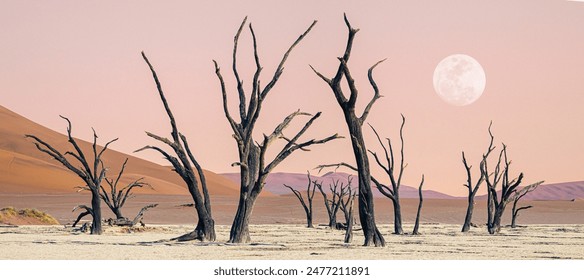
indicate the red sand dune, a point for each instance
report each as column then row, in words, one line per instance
column 24, row 169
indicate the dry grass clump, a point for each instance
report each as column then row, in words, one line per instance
column 6, row 213
column 10, row 213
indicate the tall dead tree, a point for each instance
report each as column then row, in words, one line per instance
column 338, row 191
column 417, row 224
column 354, row 125
column 474, row 187
column 496, row 203
column 253, row 165
column 92, row 172
column 394, row 179
column 310, row 191
column 183, row 165
column 518, row 195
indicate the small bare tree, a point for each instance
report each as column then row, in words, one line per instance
column 417, row 224
column 310, row 191
column 347, row 208
column 354, row 124
column 474, row 187
column 518, row 195
column 116, row 198
column 92, row 172
column 253, row 165
column 338, row 191
column 496, row 204
column 183, row 165
column 394, row 179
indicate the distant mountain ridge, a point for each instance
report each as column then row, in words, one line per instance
column 557, row 191
column 275, row 184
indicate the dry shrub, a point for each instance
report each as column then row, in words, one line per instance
column 6, row 213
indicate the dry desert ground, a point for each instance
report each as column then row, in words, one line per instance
column 288, row 241
column 550, row 230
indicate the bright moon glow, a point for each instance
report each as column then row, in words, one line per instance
column 459, row 79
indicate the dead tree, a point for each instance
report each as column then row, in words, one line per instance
column 347, row 208
column 474, row 187
column 125, row 222
column 417, row 224
column 354, row 125
column 253, row 165
column 92, row 172
column 338, row 191
column 82, row 214
column 496, row 204
column 518, row 195
column 394, row 179
column 310, row 191
column 182, row 164
column 116, row 198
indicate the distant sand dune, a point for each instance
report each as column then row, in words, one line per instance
column 24, row 169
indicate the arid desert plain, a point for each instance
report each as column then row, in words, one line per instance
column 551, row 230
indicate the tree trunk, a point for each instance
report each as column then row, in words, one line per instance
column 205, row 229
column 397, row 217
column 118, row 213
column 240, row 227
column 349, row 230
column 417, row 224
column 513, row 218
column 490, row 211
column 309, row 219
column 468, row 218
column 333, row 220
column 495, row 227
column 96, row 207
column 366, row 211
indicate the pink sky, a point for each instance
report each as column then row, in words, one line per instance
column 82, row 59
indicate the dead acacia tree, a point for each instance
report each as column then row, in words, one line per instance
column 347, row 208
column 338, row 191
column 253, row 165
column 183, row 164
column 130, row 223
column 92, row 172
column 518, row 195
column 116, row 198
column 394, row 179
column 417, row 224
column 310, row 191
column 496, row 203
column 474, row 187
column 354, row 125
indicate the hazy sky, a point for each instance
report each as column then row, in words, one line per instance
column 82, row 59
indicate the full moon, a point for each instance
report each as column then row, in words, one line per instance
column 459, row 79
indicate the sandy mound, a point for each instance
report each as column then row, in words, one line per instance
column 12, row 216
